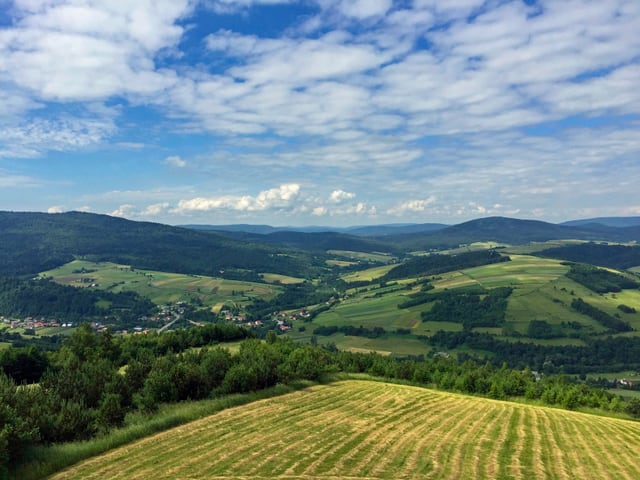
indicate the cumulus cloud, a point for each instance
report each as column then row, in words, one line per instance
column 175, row 161
column 339, row 196
column 55, row 209
column 90, row 49
column 275, row 198
column 412, row 206
column 125, row 210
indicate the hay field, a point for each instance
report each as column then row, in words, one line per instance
column 360, row 429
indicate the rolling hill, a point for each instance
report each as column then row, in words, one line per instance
column 34, row 242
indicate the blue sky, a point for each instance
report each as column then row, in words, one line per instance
column 320, row 112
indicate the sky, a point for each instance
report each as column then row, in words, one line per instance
column 321, row 112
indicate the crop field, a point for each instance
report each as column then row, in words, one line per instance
column 372, row 430
column 160, row 287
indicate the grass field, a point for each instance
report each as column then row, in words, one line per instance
column 161, row 287
column 372, row 430
column 361, row 256
column 368, row 274
column 278, row 278
column 540, row 292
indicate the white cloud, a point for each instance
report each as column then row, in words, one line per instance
column 175, row 161
column 363, row 9
column 90, row 49
column 155, row 209
column 275, row 198
column 232, row 6
column 412, row 206
column 55, row 209
column 11, row 180
column 125, row 210
column 319, row 211
column 32, row 138
column 339, row 196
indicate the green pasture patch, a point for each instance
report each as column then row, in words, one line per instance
column 278, row 278
column 361, row 256
column 160, row 287
column 340, row 263
column 624, row 393
column 391, row 344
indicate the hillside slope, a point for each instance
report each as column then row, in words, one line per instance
column 373, row 430
column 33, row 242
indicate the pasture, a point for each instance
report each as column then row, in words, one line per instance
column 540, row 292
column 372, row 430
column 160, row 287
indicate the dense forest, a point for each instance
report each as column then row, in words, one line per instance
column 470, row 309
column 600, row 280
column 620, row 257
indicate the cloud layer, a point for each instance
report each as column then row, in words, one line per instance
column 363, row 110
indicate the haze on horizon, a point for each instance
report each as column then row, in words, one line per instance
column 320, row 112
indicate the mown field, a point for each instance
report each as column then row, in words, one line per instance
column 372, row 430
column 161, row 287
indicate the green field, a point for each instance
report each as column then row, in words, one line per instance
column 161, row 287
column 283, row 279
column 373, row 430
column 361, row 256
column 540, row 292
column 368, row 274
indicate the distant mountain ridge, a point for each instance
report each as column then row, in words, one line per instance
column 360, row 231
column 617, row 222
column 32, row 242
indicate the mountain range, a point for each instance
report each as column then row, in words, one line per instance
column 33, row 242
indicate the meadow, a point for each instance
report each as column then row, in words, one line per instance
column 541, row 291
column 374, row 430
column 162, row 287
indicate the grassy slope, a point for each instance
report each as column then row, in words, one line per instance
column 361, row 429
column 541, row 292
column 161, row 287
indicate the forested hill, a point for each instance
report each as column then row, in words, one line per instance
column 317, row 241
column 512, row 231
column 33, row 242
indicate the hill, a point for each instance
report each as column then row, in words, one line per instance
column 512, row 231
column 361, row 231
column 34, row 242
column 618, row 222
column 362, row 429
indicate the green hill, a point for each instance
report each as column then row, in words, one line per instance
column 34, row 242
